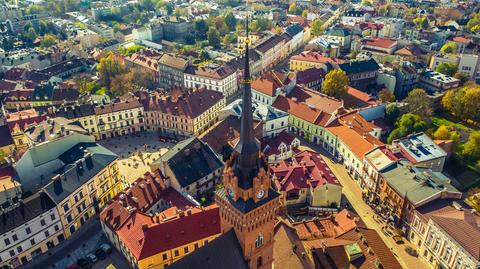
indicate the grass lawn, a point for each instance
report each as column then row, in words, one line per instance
column 438, row 121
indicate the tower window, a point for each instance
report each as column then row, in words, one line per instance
column 259, row 261
column 259, row 241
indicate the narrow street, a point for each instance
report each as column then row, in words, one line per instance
column 353, row 193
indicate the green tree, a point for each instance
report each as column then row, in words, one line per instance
column 48, row 41
column 386, row 96
column 220, row 25
column 449, row 47
column 442, row 133
column 335, row 83
column 447, row 69
column 213, row 37
column 366, row 3
column 471, row 149
column 421, row 22
column 80, row 25
column 292, row 8
column 391, row 113
column 170, row 6
column 201, row 28
column 463, row 103
column 407, row 124
column 30, row 35
column 317, row 27
column 34, row 9
column 230, row 21
column 463, row 77
column 263, row 24
column 474, row 23
column 419, row 103
column 108, row 68
column 305, row 13
column 226, row 40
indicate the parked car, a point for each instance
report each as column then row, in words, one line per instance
column 101, row 254
column 72, row 266
column 84, row 263
column 92, row 258
column 106, row 247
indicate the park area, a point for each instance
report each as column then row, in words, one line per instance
column 464, row 170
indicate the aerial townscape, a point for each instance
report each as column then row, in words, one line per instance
column 231, row 134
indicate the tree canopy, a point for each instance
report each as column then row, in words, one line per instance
column 213, row 37
column 419, row 103
column 317, row 27
column 447, row 69
column 386, row 96
column 407, row 124
column 108, row 68
column 449, row 47
column 463, row 103
column 335, row 83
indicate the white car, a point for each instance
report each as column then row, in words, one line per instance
column 92, row 258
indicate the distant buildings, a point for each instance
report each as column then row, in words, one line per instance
column 435, row 82
column 183, row 114
column 213, row 77
column 121, row 117
column 176, row 28
column 171, row 69
column 362, row 74
column 309, row 59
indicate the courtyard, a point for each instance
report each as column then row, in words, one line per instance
column 136, row 152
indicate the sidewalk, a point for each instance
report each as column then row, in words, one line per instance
column 353, row 193
column 84, row 241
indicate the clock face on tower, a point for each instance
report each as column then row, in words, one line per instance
column 230, row 192
column 260, row 194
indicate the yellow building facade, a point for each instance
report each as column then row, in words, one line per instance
column 162, row 260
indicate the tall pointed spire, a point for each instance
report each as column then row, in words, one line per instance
column 247, row 161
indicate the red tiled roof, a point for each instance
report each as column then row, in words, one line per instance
column 146, row 236
column 269, row 82
column 302, row 111
column 217, row 73
column 357, row 143
column 379, row 42
column 14, row 74
column 305, row 170
column 7, row 86
column 141, row 196
column 461, row 39
column 24, row 118
column 315, row 99
column 316, row 57
column 463, row 226
column 190, row 105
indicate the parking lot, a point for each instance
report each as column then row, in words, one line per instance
column 136, row 152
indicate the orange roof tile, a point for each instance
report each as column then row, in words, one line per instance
column 146, row 236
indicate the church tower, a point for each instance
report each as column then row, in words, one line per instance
column 248, row 204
